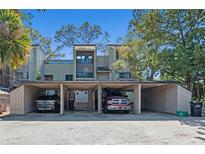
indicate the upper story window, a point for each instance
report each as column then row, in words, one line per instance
column 48, row 77
column 19, row 74
column 125, row 75
column 84, row 59
column 84, row 75
column 68, row 77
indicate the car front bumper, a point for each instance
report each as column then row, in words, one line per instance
column 118, row 108
column 46, row 107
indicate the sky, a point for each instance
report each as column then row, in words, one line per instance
column 115, row 22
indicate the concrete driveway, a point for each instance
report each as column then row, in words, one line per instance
column 91, row 128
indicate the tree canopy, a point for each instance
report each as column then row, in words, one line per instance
column 69, row 35
column 168, row 41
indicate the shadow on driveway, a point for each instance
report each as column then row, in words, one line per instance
column 198, row 122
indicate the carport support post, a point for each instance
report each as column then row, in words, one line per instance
column 61, row 99
column 93, row 100
column 137, row 99
column 99, row 99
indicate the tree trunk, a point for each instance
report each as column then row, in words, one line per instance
column 198, row 94
column 189, row 82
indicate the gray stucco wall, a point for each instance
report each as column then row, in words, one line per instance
column 160, row 99
column 102, row 76
column 102, row 61
column 36, row 63
column 58, row 70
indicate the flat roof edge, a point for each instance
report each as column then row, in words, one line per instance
column 105, row 81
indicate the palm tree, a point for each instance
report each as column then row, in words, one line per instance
column 14, row 40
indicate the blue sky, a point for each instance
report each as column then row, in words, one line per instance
column 115, row 22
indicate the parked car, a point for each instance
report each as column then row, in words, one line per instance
column 116, row 103
column 48, row 103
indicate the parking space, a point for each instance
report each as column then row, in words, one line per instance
column 92, row 128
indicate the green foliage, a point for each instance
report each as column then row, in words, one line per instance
column 44, row 43
column 119, row 65
column 38, row 76
column 142, row 45
column 14, row 39
column 172, row 42
column 133, row 56
column 69, row 35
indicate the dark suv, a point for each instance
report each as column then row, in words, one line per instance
column 48, row 103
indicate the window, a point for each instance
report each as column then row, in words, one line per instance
column 102, row 68
column 25, row 75
column 69, row 77
column 84, row 75
column 48, row 77
column 125, row 75
column 19, row 74
column 84, row 59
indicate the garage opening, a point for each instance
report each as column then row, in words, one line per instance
column 159, row 98
column 79, row 100
column 93, row 96
column 80, row 97
column 117, row 98
column 41, row 98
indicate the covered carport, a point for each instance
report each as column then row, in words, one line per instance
column 156, row 96
column 153, row 96
column 22, row 98
column 165, row 97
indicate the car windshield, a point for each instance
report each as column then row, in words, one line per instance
column 46, row 98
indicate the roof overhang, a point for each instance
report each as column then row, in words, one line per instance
column 88, row 85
